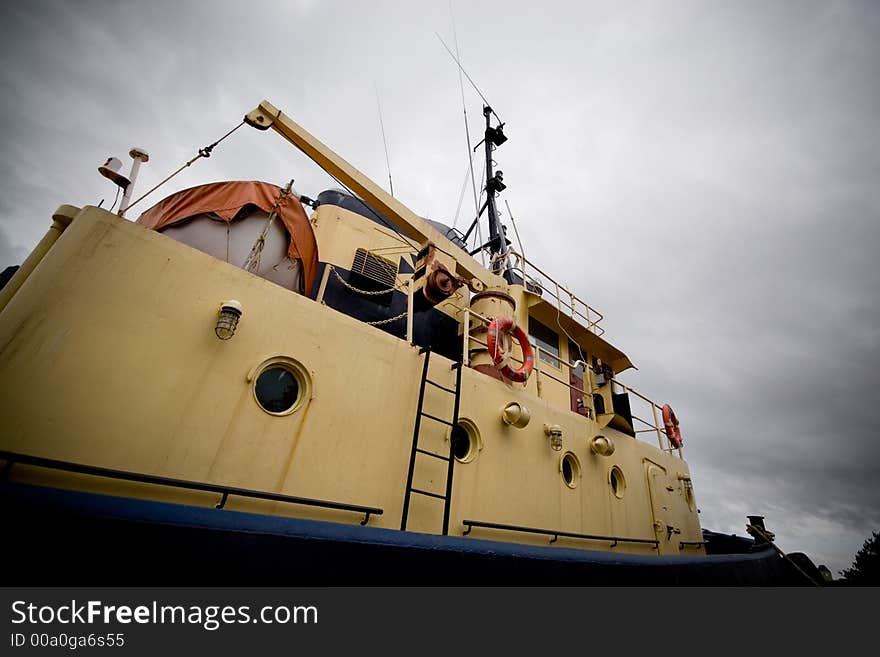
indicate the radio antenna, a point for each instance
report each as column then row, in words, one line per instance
column 473, row 84
column 494, row 137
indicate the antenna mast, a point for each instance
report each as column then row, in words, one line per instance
column 497, row 240
column 494, row 137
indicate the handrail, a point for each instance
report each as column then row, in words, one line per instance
column 655, row 427
column 570, row 308
column 470, row 524
column 225, row 491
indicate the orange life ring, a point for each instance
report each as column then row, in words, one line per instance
column 670, row 423
column 501, row 359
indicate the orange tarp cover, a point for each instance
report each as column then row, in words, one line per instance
column 225, row 199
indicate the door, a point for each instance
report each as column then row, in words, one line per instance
column 658, row 489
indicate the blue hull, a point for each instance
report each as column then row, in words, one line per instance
column 60, row 537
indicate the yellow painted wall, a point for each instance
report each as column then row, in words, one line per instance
column 108, row 357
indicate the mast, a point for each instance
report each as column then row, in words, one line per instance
column 497, row 244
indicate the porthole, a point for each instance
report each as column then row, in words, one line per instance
column 570, row 468
column 466, row 441
column 276, row 389
column 280, row 385
column 617, row 481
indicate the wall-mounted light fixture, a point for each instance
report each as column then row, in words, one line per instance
column 227, row 319
column 554, row 432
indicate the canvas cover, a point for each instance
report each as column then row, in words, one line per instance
column 226, row 199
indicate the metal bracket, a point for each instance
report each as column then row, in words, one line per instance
column 257, row 119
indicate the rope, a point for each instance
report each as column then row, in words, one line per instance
column 252, row 262
column 364, row 292
column 203, row 152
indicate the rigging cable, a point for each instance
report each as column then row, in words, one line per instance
column 384, row 142
column 467, row 132
column 461, row 195
column 203, row 152
column 375, row 213
column 116, row 198
column 526, row 282
column 476, row 88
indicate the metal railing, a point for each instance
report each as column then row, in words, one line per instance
column 567, row 303
column 564, row 300
column 655, row 426
column 12, row 458
column 614, row 540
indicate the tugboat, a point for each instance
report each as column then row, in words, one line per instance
column 251, row 386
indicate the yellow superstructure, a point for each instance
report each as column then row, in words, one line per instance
column 109, row 357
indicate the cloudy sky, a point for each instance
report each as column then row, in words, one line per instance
column 707, row 175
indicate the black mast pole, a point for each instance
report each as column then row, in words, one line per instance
column 497, row 241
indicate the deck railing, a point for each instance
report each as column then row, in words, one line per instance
column 563, row 299
column 12, row 458
column 567, row 303
column 652, row 425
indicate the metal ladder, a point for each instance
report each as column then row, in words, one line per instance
column 449, row 458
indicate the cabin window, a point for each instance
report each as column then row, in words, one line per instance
column 571, row 470
column 546, row 339
column 277, row 389
column 466, row 441
column 617, row 481
column 281, row 385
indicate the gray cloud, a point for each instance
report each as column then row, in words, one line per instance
column 704, row 173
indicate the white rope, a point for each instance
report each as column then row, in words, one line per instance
column 252, row 262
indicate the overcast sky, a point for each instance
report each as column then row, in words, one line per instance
column 707, row 175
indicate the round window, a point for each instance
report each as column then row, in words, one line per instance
column 281, row 384
column 466, row 442
column 618, row 483
column 571, row 470
column 277, row 389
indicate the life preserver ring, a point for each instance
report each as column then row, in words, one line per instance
column 670, row 424
column 501, row 359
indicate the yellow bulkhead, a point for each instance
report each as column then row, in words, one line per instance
column 108, row 357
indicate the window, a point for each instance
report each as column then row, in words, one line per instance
column 617, row 481
column 281, row 385
column 277, row 389
column 546, row 339
column 571, row 470
column 466, row 441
